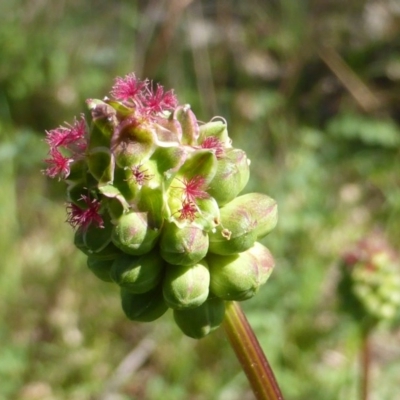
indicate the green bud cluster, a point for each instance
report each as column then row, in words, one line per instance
column 370, row 282
column 154, row 196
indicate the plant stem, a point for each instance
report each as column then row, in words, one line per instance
column 250, row 354
column 365, row 364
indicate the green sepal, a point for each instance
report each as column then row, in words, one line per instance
column 209, row 215
column 125, row 183
column 188, row 122
column 101, row 164
column 133, row 143
column 143, row 307
column 199, row 163
column 152, row 202
column 138, row 274
column 109, row 252
column 100, row 268
column 199, row 322
column 164, row 164
column 133, row 235
column 77, row 172
column 74, row 194
column 168, row 129
column 121, row 109
column 95, row 238
column 103, row 125
column 76, row 189
column 217, row 129
column 186, row 286
column 183, row 245
column 238, row 277
column 231, row 177
column 116, row 202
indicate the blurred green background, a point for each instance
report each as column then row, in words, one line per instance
column 310, row 90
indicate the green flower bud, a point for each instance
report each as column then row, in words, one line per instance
column 183, row 246
column 133, row 235
column 101, row 268
column 264, row 211
column 186, row 287
column 231, row 177
column 143, row 307
column 138, row 274
column 199, row 322
column 243, row 220
column 238, row 277
column 235, row 234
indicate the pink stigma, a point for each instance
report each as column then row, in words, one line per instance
column 195, row 188
column 79, row 218
column 213, row 143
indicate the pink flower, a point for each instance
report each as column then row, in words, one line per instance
column 157, row 101
column 66, row 136
column 146, row 100
column 82, row 218
column 58, row 165
column 73, row 140
column 128, row 88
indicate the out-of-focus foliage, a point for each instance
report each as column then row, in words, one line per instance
column 311, row 92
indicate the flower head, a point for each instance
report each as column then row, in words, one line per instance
column 147, row 181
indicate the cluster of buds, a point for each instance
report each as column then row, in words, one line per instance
column 153, row 197
column 370, row 282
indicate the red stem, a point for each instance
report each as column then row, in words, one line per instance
column 250, row 354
